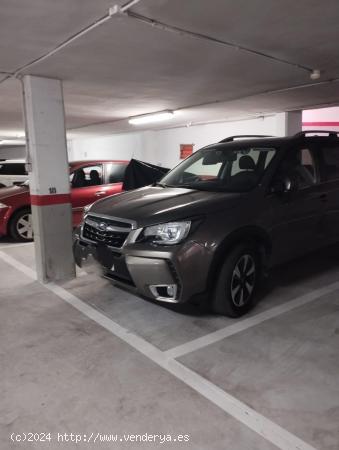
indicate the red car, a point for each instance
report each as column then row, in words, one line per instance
column 90, row 180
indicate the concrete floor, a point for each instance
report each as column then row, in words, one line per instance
column 270, row 380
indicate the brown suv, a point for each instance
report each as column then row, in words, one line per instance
column 215, row 222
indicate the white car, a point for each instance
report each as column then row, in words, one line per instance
column 12, row 172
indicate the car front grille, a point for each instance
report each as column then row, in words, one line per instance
column 106, row 231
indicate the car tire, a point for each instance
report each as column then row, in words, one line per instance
column 20, row 227
column 237, row 281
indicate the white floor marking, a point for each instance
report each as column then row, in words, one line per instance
column 4, row 246
column 81, row 274
column 245, row 324
column 18, row 265
column 269, row 430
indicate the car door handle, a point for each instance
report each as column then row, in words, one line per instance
column 323, row 197
column 100, row 193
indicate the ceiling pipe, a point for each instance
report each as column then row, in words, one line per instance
column 125, row 10
column 216, row 102
column 184, row 32
column 4, row 76
column 114, row 10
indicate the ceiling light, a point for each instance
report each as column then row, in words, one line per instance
column 12, row 142
column 11, row 134
column 149, row 118
column 315, row 74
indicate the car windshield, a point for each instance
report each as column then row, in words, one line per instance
column 222, row 169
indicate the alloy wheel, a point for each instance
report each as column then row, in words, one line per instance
column 24, row 226
column 243, row 280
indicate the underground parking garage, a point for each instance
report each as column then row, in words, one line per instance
column 169, row 225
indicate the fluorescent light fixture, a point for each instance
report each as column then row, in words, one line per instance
column 11, row 134
column 12, row 142
column 149, row 118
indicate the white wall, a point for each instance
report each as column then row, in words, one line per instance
column 165, row 144
column 163, row 147
column 120, row 146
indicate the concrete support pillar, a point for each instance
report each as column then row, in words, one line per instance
column 49, row 177
column 289, row 123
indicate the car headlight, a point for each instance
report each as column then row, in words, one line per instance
column 85, row 210
column 168, row 233
column 2, row 206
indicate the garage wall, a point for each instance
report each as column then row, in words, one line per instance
column 162, row 147
column 121, row 146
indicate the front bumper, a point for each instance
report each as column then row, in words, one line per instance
column 5, row 214
column 171, row 274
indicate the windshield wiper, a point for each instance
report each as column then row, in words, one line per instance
column 186, row 185
column 157, row 183
column 203, row 187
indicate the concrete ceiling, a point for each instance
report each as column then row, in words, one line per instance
column 242, row 58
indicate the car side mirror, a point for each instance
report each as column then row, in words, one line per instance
column 284, row 185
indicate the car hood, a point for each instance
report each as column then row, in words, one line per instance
column 151, row 205
column 7, row 192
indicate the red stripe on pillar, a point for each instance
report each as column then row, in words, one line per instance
column 320, row 124
column 47, row 200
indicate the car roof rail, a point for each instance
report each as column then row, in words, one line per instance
column 330, row 133
column 245, row 136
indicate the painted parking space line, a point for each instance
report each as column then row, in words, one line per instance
column 18, row 265
column 27, row 270
column 81, row 274
column 4, row 246
column 258, row 423
column 245, row 324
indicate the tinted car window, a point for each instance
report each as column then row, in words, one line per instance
column 13, row 169
column 222, row 168
column 203, row 171
column 299, row 166
column 308, row 169
column 116, row 173
column 331, row 162
column 87, row 176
